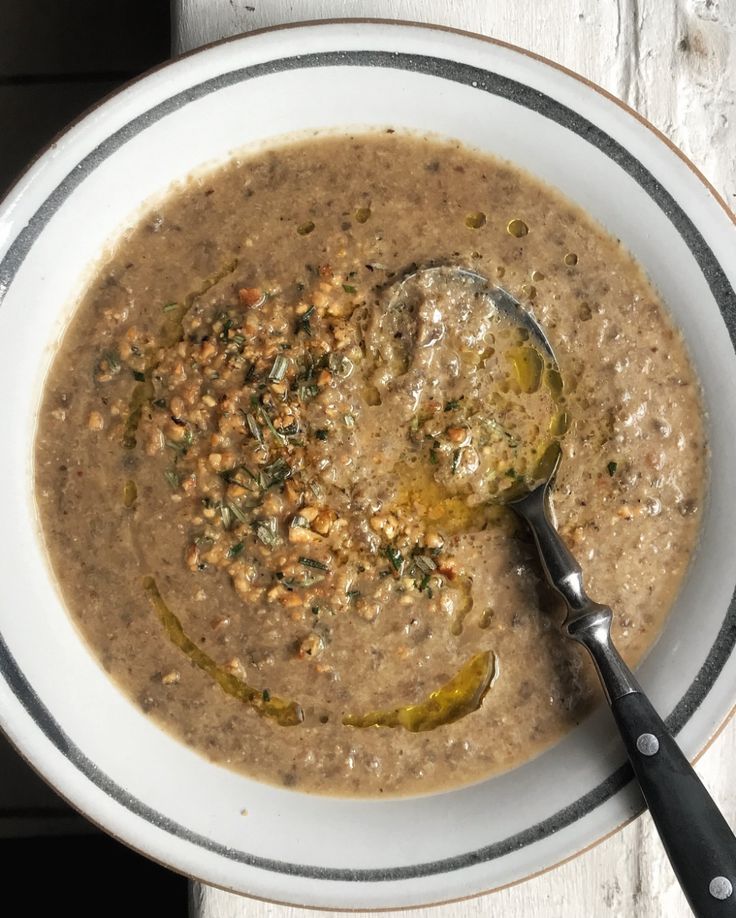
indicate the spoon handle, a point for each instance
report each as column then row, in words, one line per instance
column 698, row 841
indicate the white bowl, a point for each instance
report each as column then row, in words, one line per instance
column 56, row 704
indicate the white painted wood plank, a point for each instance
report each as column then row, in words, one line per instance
column 675, row 62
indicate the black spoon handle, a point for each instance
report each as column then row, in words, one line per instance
column 699, row 843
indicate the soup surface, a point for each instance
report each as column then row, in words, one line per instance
column 270, row 474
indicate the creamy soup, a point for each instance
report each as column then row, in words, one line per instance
column 271, row 463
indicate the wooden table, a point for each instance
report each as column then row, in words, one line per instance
column 675, row 62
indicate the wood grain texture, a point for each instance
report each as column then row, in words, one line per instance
column 675, row 62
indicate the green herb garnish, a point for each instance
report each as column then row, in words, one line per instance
column 612, row 466
column 275, row 473
column 235, row 550
column 348, row 288
column 396, row 559
column 266, row 531
column 425, row 564
column 237, row 512
column 269, row 423
column 316, row 565
column 279, row 368
column 172, row 477
column 253, row 427
column 302, row 323
column 226, row 515
column 321, row 434
column 307, row 392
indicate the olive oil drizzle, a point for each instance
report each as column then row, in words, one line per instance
column 285, row 713
column 462, row 695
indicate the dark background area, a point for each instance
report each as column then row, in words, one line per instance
column 57, row 58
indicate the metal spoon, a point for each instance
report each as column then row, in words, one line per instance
column 699, row 843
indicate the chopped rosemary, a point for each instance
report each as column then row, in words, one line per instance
column 306, row 392
column 235, row 550
column 291, row 430
column 279, row 368
column 316, row 489
column 170, row 307
column 226, row 326
column 138, row 376
column 172, row 477
column 303, row 324
column 348, row 288
column 456, row 454
column 452, row 404
column 316, row 565
column 253, row 427
column 425, row 564
column 352, row 594
column 181, row 446
column 230, row 476
column 266, row 695
column 266, row 531
column 275, row 473
column 321, row 434
column 396, row 559
column 612, row 466
column 237, row 512
column 226, row 515
column 269, row 423
column 299, row 522
column 159, row 403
